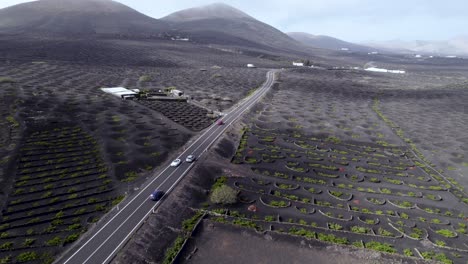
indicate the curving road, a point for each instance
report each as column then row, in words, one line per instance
column 108, row 238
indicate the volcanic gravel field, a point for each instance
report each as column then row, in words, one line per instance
column 73, row 151
column 324, row 159
column 347, row 157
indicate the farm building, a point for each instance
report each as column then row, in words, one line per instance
column 177, row 92
column 121, row 92
column 250, row 66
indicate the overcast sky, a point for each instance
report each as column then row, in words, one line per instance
column 351, row 20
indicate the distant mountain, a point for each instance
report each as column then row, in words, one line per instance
column 455, row 46
column 223, row 24
column 76, row 17
column 326, row 42
column 217, row 10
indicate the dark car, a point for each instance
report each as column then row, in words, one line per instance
column 156, row 195
column 220, row 122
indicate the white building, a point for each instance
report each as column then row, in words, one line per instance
column 177, row 92
column 121, row 92
column 299, row 64
column 374, row 69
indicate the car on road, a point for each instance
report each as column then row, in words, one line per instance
column 220, row 122
column 176, row 163
column 156, row 195
column 190, row 158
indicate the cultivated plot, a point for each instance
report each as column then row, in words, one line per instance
column 331, row 167
column 60, row 187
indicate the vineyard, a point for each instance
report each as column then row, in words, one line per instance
column 329, row 168
column 60, row 188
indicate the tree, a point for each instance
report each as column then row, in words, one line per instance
column 224, row 195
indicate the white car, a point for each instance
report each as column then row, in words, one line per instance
column 190, row 158
column 176, row 163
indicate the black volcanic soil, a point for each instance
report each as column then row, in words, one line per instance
column 318, row 143
column 219, row 243
column 314, row 125
column 50, row 85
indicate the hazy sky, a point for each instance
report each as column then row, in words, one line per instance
column 351, row 20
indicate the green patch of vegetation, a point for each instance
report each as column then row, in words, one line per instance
column 219, row 182
column 117, row 200
column 286, row 186
column 321, row 166
column 365, row 170
column 278, row 203
column 250, row 160
column 358, row 244
column 375, row 201
column 302, row 232
column 333, row 139
column 446, row 233
column 337, row 194
column 145, row 78
column 404, row 204
column 439, row 257
column 416, row 233
column 246, row 223
column 361, row 230
column 6, row 80
column 408, row 252
column 223, row 195
column 6, row 246
column 71, row 238
column 172, row 252
column 189, row 224
column 332, row 238
column 28, row 242
column 335, row 226
column 27, row 256
column 384, row 232
column 393, row 181
column 383, row 247
column 54, row 241
column 385, row 191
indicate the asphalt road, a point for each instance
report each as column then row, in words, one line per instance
column 108, row 238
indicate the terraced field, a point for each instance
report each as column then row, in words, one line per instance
column 61, row 186
column 332, row 167
column 188, row 115
column 136, row 139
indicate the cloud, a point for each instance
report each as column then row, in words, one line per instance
column 352, row 20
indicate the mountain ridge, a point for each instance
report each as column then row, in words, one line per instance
column 215, row 23
column 327, row 42
column 84, row 17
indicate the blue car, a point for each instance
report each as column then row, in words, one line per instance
column 156, row 195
